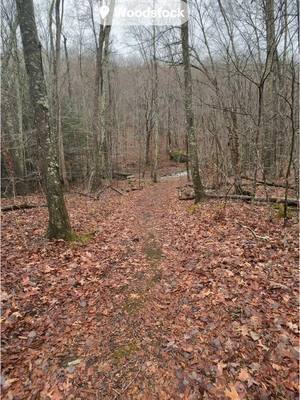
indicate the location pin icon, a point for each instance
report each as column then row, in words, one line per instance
column 104, row 10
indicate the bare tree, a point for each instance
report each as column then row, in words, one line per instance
column 101, row 40
column 188, row 104
column 59, row 225
column 57, row 8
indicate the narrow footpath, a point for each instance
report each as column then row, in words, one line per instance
column 164, row 300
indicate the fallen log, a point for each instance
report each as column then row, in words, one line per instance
column 273, row 184
column 87, row 195
column 278, row 200
column 117, row 190
column 189, row 195
column 122, row 175
column 20, row 207
column 133, row 189
column 99, row 192
column 91, row 196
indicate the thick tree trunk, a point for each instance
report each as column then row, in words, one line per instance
column 100, row 98
column 59, row 225
column 188, row 103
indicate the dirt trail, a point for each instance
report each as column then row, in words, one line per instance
column 100, row 326
column 165, row 301
column 137, row 329
column 144, row 331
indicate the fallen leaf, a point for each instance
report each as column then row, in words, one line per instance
column 74, row 362
column 4, row 296
column 134, row 296
column 262, row 345
column 26, row 281
column 8, row 382
column 255, row 321
column 188, row 349
column 293, row 327
column 48, row 269
column 232, row 394
column 244, row 330
column 255, row 336
column 220, row 368
column 244, row 375
column 32, row 334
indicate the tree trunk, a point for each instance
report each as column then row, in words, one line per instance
column 147, row 146
column 95, row 177
column 58, row 24
column 271, row 93
column 154, row 172
column 169, row 131
column 234, row 153
column 188, row 103
column 55, row 61
column 68, row 67
column 59, row 225
column 99, row 109
column 105, row 110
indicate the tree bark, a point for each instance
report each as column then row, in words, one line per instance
column 99, row 109
column 105, row 110
column 58, row 6
column 234, row 153
column 59, row 224
column 189, row 114
column 68, row 67
column 271, row 94
column 154, row 171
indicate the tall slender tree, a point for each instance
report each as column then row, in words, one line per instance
column 189, row 113
column 59, row 224
column 271, row 91
column 154, row 76
column 99, row 117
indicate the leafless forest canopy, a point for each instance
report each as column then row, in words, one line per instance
column 116, row 95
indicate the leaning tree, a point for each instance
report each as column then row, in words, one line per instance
column 47, row 152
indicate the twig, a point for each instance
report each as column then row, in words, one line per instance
column 99, row 192
column 128, row 385
column 86, row 195
column 97, row 195
column 252, row 231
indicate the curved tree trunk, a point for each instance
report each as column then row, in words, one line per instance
column 59, row 225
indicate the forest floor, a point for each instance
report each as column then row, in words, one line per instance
column 157, row 299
